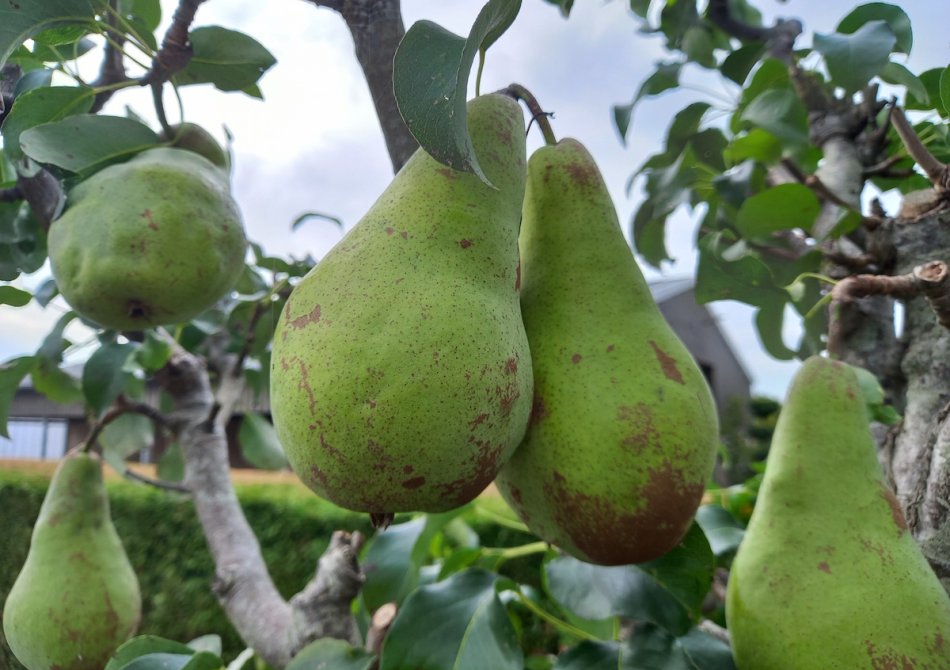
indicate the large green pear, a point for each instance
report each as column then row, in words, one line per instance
column 623, row 433
column 400, row 374
column 827, row 576
column 155, row 240
column 76, row 598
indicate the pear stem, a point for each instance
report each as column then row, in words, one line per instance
column 519, row 92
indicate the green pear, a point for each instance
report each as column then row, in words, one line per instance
column 623, row 434
column 76, row 598
column 401, row 376
column 194, row 138
column 155, row 240
column 828, row 576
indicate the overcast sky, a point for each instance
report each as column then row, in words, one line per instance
column 314, row 143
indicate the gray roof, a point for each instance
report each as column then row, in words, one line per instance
column 665, row 289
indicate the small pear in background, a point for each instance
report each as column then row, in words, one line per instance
column 400, row 374
column 828, row 576
column 76, row 598
column 624, row 431
column 155, row 240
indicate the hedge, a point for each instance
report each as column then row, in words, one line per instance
column 162, row 537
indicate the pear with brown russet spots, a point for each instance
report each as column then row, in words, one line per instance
column 76, row 598
column 828, row 577
column 400, row 374
column 624, row 431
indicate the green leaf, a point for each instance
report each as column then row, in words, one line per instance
column 171, row 464
column 42, row 105
column 332, row 655
column 853, row 59
column 698, row 46
column 430, row 80
column 142, row 645
column 12, row 373
column 897, row 74
column 103, row 377
column 945, row 87
column 85, row 142
column 745, row 278
column 705, row 652
column 54, row 343
column 597, row 592
column 665, row 78
column 895, row 17
column 10, row 295
column 230, row 60
column 685, row 571
column 39, row 78
column 45, row 292
column 782, row 207
column 154, row 353
column 393, row 559
column 128, row 434
column 564, row 5
column 758, row 144
column 74, row 45
column 456, row 624
column 260, row 444
column 768, row 322
column 780, row 112
column 722, row 529
column 21, row 20
column 738, row 64
column 931, row 81
column 22, row 241
column 306, row 216
column 590, row 655
column 54, row 382
column 649, row 234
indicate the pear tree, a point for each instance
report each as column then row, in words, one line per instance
column 782, row 191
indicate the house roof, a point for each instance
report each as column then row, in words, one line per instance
column 665, row 289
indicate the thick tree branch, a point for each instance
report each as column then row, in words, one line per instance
column 929, row 280
column 44, row 193
column 377, row 28
column 275, row 628
column 175, row 51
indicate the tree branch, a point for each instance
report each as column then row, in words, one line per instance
column 377, row 28
column 929, row 280
column 937, row 172
column 175, row 51
column 274, row 628
column 779, row 39
column 112, row 70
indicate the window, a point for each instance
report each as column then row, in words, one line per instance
column 35, row 438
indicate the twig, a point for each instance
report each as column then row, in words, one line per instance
column 10, row 194
column 44, row 193
column 112, row 70
column 378, row 628
column 715, row 630
column 120, row 408
column 157, row 483
column 937, row 172
column 928, row 280
column 175, row 51
column 779, row 38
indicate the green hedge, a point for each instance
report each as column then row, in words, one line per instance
column 165, row 545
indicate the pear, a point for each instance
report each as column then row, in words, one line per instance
column 401, row 376
column 76, row 598
column 623, row 433
column 194, row 138
column 827, row 576
column 155, row 240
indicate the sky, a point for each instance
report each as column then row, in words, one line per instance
column 314, row 143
